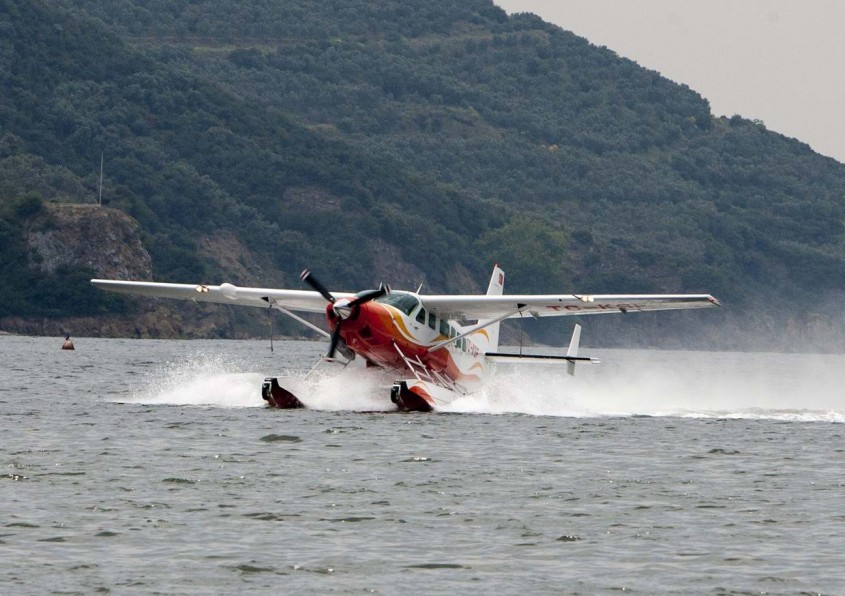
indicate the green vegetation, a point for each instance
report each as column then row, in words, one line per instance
column 316, row 131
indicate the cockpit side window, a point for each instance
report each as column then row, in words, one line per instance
column 421, row 316
column 432, row 320
column 404, row 302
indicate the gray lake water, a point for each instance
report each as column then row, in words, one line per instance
column 136, row 466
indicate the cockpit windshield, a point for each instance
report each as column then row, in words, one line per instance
column 404, row 302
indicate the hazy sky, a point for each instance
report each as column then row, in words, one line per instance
column 779, row 61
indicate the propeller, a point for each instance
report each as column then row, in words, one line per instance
column 343, row 309
column 312, row 281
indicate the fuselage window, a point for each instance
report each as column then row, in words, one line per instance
column 421, row 316
column 432, row 320
column 445, row 328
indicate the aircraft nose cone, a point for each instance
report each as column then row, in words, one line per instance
column 342, row 308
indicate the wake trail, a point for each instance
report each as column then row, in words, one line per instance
column 685, row 384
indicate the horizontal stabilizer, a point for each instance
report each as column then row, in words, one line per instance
column 571, row 355
column 503, row 357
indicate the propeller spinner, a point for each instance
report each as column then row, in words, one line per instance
column 343, row 308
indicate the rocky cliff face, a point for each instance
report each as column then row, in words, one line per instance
column 105, row 240
column 109, row 243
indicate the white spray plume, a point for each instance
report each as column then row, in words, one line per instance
column 779, row 386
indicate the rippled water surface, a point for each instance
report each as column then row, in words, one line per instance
column 152, row 466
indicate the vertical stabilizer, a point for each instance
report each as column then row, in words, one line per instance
column 572, row 352
column 496, row 287
column 497, row 282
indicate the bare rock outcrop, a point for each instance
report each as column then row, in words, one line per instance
column 106, row 240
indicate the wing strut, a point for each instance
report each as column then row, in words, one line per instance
column 471, row 330
column 277, row 306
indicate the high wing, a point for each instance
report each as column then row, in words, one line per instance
column 444, row 306
column 558, row 305
column 296, row 300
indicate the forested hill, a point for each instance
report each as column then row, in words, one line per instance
column 381, row 140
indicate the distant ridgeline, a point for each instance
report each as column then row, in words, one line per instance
column 378, row 140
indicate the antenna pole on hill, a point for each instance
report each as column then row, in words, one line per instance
column 100, row 195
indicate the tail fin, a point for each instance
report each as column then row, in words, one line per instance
column 496, row 288
column 572, row 352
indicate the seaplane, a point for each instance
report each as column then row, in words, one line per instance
column 436, row 348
